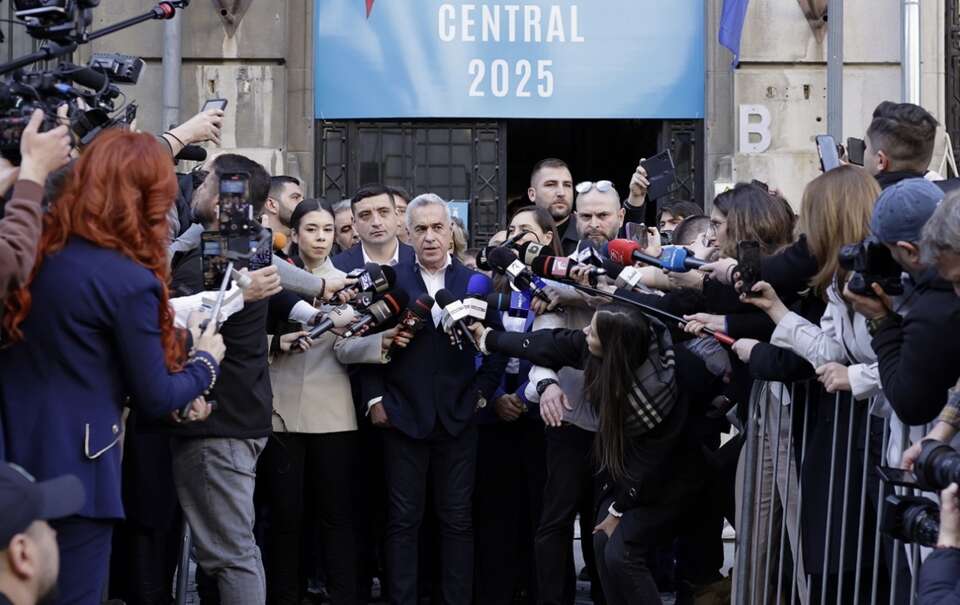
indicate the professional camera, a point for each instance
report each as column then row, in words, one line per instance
column 911, row 519
column 871, row 262
column 88, row 91
column 937, row 466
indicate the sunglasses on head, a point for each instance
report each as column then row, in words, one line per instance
column 602, row 186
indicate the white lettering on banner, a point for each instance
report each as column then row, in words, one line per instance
column 524, row 23
column 755, row 137
column 500, row 77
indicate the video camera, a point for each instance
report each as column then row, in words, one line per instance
column 90, row 91
column 915, row 518
column 871, row 262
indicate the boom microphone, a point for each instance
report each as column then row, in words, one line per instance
column 389, row 306
column 414, row 317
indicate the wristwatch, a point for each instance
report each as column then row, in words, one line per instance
column 543, row 384
column 878, row 323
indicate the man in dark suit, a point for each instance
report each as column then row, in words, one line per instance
column 377, row 223
column 426, row 401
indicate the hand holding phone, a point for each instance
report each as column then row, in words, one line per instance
column 827, row 150
column 748, row 266
column 220, row 104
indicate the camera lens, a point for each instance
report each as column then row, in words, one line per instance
column 921, row 522
column 938, row 465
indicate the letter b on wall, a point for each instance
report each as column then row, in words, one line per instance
column 754, row 128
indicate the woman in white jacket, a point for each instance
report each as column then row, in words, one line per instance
column 307, row 467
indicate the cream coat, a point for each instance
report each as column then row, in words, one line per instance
column 311, row 390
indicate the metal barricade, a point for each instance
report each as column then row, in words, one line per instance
column 809, row 503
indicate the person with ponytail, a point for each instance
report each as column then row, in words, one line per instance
column 649, row 467
column 91, row 331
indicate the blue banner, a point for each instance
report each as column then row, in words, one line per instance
column 538, row 59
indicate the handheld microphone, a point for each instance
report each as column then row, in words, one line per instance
column 475, row 299
column 559, row 267
column 483, row 262
column 679, row 259
column 339, row 317
column 414, row 317
column 279, row 241
column 371, row 278
column 531, row 250
column 515, row 304
column 626, row 252
column 588, row 254
column 389, row 306
column 506, row 262
column 455, row 312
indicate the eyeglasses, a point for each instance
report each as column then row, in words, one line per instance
column 602, row 186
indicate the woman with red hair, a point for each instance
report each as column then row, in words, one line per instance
column 92, row 331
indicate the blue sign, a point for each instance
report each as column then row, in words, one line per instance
column 481, row 59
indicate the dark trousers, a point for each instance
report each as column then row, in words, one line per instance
column 569, row 489
column 370, row 511
column 451, row 463
column 144, row 562
column 84, row 559
column 511, row 472
column 306, row 480
column 624, row 566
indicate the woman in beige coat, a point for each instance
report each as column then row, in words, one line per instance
column 307, row 467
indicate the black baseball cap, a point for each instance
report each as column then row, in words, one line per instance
column 24, row 500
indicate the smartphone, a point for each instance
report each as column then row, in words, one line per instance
column 897, row 476
column 661, row 173
column 855, row 150
column 263, row 256
column 638, row 233
column 213, row 259
column 827, row 149
column 748, row 266
column 220, row 104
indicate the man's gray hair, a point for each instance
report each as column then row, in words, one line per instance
column 341, row 206
column 942, row 231
column 426, row 199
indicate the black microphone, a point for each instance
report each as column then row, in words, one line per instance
column 371, row 278
column 532, row 250
column 389, row 306
column 506, row 263
column 559, row 267
column 191, row 153
column 414, row 317
column 482, row 258
column 85, row 76
column 456, row 312
column 516, row 304
column 588, row 254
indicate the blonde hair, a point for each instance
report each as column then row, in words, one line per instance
column 835, row 211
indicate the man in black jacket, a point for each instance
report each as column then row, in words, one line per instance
column 916, row 350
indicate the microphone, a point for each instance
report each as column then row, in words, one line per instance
column 85, row 76
column 475, row 300
column 530, row 251
column 506, row 262
column 279, row 241
column 588, row 254
column 389, row 306
column 339, row 317
column 626, row 252
column 629, row 278
column 483, row 262
column 454, row 313
column 372, row 278
column 679, row 259
column 515, row 304
column 191, row 153
column 559, row 267
column 414, row 317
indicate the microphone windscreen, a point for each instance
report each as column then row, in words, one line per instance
column 342, row 316
column 532, row 250
column 192, row 153
column 421, row 306
column 397, row 300
column 500, row 258
column 499, row 301
column 279, row 241
column 389, row 274
column 541, row 266
column 86, row 76
column 621, row 251
column 613, row 269
column 483, row 262
column 479, row 285
column 444, row 298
